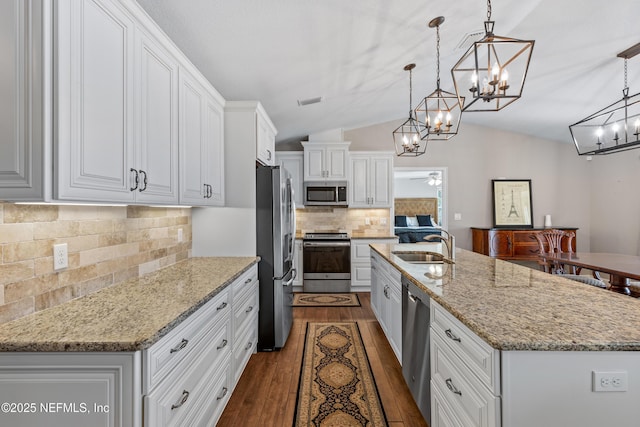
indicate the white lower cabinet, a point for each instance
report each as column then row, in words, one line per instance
column 387, row 300
column 70, row 389
column 361, row 262
column 465, row 374
column 184, row 379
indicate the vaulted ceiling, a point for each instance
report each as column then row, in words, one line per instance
column 352, row 53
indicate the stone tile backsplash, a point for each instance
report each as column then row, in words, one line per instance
column 348, row 220
column 106, row 245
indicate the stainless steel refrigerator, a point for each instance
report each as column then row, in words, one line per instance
column 276, row 228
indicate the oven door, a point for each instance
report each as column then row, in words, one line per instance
column 326, row 260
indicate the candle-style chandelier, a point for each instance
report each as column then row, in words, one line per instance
column 439, row 113
column 406, row 137
column 615, row 128
column 492, row 72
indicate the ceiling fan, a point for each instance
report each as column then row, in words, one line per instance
column 434, row 178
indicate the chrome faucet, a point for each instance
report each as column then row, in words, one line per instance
column 449, row 241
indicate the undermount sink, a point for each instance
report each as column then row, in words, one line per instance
column 421, row 257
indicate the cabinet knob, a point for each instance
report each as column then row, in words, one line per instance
column 249, row 310
column 249, row 345
column 183, row 399
column 223, row 345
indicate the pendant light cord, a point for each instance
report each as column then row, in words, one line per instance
column 488, row 10
column 410, row 92
column 438, row 57
column 625, row 74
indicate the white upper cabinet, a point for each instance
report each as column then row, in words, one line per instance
column 293, row 161
column 94, row 102
column 371, row 179
column 266, row 138
column 156, row 164
column 22, row 163
column 201, row 144
column 93, row 94
column 326, row 160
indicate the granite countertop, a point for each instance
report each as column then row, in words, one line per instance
column 513, row 307
column 129, row 316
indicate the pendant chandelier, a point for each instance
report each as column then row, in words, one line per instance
column 439, row 113
column 406, row 137
column 615, row 128
column 493, row 70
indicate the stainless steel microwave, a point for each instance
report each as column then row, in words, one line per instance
column 325, row 193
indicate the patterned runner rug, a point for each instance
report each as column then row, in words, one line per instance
column 336, row 384
column 325, row 300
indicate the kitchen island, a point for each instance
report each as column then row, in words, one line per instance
column 174, row 341
column 541, row 349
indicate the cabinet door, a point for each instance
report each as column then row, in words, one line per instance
column 156, row 123
column 266, row 142
column 213, row 159
column 381, row 170
column 95, row 114
column 192, row 175
column 314, row 163
column 21, row 91
column 376, row 286
column 293, row 162
column 500, row 243
column 336, row 162
column 359, row 184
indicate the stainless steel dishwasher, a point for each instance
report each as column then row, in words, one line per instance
column 415, row 345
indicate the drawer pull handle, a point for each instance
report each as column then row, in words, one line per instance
column 450, row 335
column 223, row 345
column 249, row 345
column 453, row 388
column 249, row 310
column 221, row 306
column 224, row 393
column 248, row 280
column 183, row 399
column 180, row 346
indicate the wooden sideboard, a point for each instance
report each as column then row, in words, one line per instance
column 511, row 243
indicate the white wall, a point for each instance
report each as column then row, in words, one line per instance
column 561, row 180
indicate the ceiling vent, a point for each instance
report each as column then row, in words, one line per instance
column 308, row 101
column 469, row 38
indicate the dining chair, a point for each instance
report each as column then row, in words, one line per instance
column 557, row 242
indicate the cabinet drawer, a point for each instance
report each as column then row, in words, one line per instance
column 481, row 358
column 441, row 413
column 248, row 308
column 469, row 398
column 525, row 237
column 244, row 285
column 360, row 251
column 527, row 250
column 194, row 332
column 179, row 399
column 244, row 346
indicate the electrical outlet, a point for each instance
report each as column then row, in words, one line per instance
column 383, row 220
column 610, row 381
column 367, row 221
column 60, row 256
column 179, row 234
column 457, row 216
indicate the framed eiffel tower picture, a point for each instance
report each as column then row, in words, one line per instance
column 512, row 203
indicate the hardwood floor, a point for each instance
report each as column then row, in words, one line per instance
column 266, row 393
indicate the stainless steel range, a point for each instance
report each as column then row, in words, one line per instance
column 326, row 262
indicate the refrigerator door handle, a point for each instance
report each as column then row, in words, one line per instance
column 291, row 270
column 290, row 281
